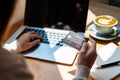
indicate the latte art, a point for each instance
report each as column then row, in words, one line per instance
column 105, row 21
column 104, row 24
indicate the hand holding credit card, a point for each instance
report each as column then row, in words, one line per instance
column 75, row 40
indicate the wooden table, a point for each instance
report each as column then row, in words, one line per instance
column 51, row 71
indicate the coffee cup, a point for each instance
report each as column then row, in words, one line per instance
column 105, row 24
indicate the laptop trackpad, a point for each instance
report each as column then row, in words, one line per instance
column 60, row 54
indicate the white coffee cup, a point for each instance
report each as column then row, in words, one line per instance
column 104, row 24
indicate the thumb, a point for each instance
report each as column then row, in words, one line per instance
column 84, row 48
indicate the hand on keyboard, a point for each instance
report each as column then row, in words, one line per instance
column 28, row 40
column 46, row 36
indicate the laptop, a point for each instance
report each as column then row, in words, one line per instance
column 53, row 20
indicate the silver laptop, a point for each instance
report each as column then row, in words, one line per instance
column 53, row 20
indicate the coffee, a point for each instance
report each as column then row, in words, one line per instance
column 105, row 21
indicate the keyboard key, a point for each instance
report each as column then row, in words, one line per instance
column 48, row 36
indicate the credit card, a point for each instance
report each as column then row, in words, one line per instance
column 75, row 40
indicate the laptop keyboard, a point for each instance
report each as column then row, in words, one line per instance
column 48, row 36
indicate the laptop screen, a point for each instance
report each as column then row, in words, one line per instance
column 60, row 14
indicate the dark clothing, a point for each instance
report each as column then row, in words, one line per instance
column 6, row 9
column 13, row 67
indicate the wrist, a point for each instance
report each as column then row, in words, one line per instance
column 82, row 72
column 13, row 47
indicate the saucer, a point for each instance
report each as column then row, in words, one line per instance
column 93, row 32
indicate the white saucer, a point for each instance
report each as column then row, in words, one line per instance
column 93, row 32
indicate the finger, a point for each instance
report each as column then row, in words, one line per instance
column 34, row 43
column 77, row 52
column 92, row 49
column 92, row 46
column 32, row 32
column 84, row 48
column 92, row 40
column 93, row 43
column 35, row 36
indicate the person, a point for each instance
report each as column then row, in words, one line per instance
column 23, row 43
column 13, row 66
column 86, row 58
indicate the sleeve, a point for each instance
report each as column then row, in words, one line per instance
column 82, row 73
column 13, row 67
column 13, row 47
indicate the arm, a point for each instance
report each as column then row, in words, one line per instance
column 23, row 43
column 13, row 67
column 82, row 72
column 86, row 58
column 13, row 47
